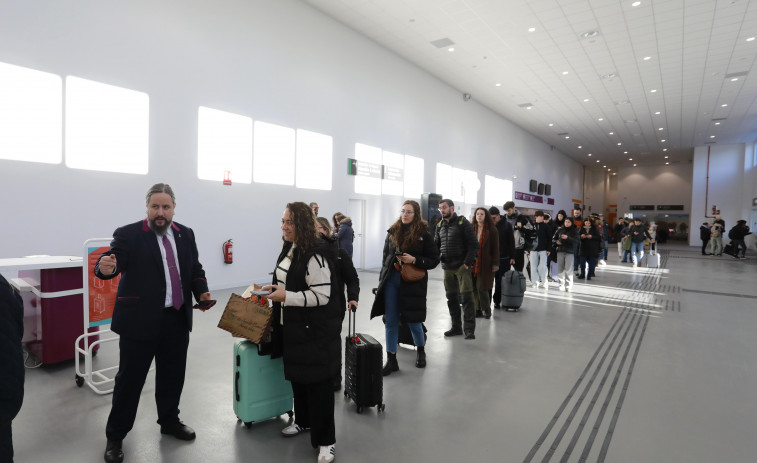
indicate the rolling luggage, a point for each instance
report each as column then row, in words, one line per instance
column 653, row 260
column 730, row 250
column 260, row 390
column 363, row 381
column 513, row 289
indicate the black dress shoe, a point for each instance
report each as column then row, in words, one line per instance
column 179, row 430
column 113, row 452
column 453, row 332
column 470, row 336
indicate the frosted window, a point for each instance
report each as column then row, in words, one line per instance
column 443, row 179
column 497, row 191
column 224, row 144
column 273, row 155
column 107, row 127
column 394, row 165
column 31, row 117
column 471, row 186
column 368, row 180
column 457, row 188
column 314, row 158
column 413, row 177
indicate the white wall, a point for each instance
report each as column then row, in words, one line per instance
column 276, row 61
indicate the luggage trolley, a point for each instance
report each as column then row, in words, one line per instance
column 100, row 297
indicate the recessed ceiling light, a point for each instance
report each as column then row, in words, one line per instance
column 619, row 143
column 551, row 124
column 750, row 39
column 589, row 35
column 529, row 107
column 614, row 173
column 653, row 91
column 608, row 170
column 634, row 165
column 612, row 133
column 666, row 157
column 589, row 154
column 531, row 29
column 451, row 49
column 597, row 160
column 647, row 58
column 604, row 167
column 565, row 73
column 661, row 128
column 657, row 113
column 497, row 84
column 630, row 159
column 712, row 136
column 625, row 152
column 724, row 105
column 635, row 3
column 734, row 79
column 567, row 137
column 579, row 146
column 664, row 149
column 667, row 163
column 717, row 123
column 586, row 100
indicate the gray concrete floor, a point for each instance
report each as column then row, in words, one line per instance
column 638, row 365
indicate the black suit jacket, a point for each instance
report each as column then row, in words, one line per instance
column 142, row 289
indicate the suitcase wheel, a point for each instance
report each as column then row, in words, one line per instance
column 79, row 381
column 381, row 407
column 360, row 409
column 248, row 424
column 290, row 413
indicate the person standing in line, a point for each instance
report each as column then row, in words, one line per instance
column 347, row 277
column 704, row 235
column 590, row 244
column 457, row 244
column 604, row 232
column 578, row 221
column 617, row 234
column 737, row 235
column 305, row 296
column 487, row 261
column 566, row 243
column 314, row 208
column 506, row 251
column 716, row 238
column 407, row 242
column 345, row 234
column 160, row 271
column 11, row 364
column 542, row 243
column 638, row 233
column 556, row 224
column 512, row 215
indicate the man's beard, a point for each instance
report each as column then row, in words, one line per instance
column 159, row 229
column 447, row 215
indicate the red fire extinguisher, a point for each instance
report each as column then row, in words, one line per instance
column 228, row 253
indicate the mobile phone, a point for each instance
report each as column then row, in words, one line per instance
column 205, row 305
column 260, row 292
column 398, row 253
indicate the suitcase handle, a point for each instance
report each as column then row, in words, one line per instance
column 236, row 386
column 351, row 324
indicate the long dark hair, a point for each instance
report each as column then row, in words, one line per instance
column 402, row 236
column 304, row 225
column 564, row 215
column 487, row 218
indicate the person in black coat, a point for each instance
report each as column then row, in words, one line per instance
column 305, row 295
column 506, row 252
column 590, row 248
column 11, row 364
column 346, row 278
column 407, row 242
column 704, row 235
column 566, row 244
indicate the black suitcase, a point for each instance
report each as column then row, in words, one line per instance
column 730, row 250
column 363, row 381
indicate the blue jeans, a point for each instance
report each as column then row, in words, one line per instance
column 392, row 312
column 637, row 252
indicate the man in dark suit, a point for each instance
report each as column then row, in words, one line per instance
column 160, row 271
column 11, row 365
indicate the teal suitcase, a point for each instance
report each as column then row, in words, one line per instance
column 260, row 390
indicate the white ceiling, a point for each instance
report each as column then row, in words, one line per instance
column 674, row 57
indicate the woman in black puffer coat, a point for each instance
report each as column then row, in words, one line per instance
column 590, row 248
column 407, row 241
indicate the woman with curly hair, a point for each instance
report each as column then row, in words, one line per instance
column 305, row 294
column 407, row 242
column 487, row 261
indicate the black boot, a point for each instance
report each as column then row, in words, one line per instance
column 391, row 364
column 420, row 360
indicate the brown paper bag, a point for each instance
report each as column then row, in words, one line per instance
column 247, row 318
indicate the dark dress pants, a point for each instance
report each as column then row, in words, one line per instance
column 6, row 442
column 504, row 266
column 704, row 247
column 170, row 354
column 314, row 409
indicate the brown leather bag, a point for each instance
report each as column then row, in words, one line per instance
column 410, row 272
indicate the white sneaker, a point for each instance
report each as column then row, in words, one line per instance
column 534, row 285
column 326, row 453
column 293, row 429
column 602, row 262
column 561, row 288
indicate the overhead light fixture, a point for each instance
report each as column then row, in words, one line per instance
column 589, row 34
column 630, row 159
column 614, row 173
column 657, row 113
column 712, row 136
column 565, row 73
column 664, row 150
column 531, row 29
column 612, row 133
column 597, row 160
column 653, row 91
column 497, row 84
column 579, row 146
column 567, row 137
column 601, row 119
column 634, row 165
column 734, row 79
column 666, row 157
column 625, row 152
column 750, row 39
column 619, row 143
column 635, row 3
column 451, row 49
column 586, row 100
column 551, row 124
column 663, row 140
column 724, row 105
column 604, row 167
column 647, row 58
column 717, row 123
column 661, row 128
column 525, row 105
column 667, row 163
column 589, row 154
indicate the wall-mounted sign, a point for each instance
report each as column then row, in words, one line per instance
column 528, row 197
column 393, row 173
column 674, row 207
column 637, row 207
column 363, row 168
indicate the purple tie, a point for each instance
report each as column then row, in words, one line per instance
column 174, row 274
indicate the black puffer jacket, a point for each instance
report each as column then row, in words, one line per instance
column 412, row 294
column 638, row 233
column 311, row 340
column 456, row 241
column 569, row 245
column 590, row 246
column 11, row 353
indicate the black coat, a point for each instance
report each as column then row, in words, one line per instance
column 412, row 295
column 569, row 245
column 11, row 353
column 506, row 239
column 311, row 342
column 590, row 246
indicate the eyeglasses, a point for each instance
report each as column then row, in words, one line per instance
column 407, row 212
